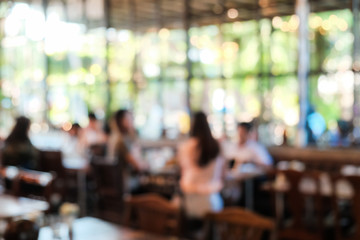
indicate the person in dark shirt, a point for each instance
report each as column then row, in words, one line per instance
column 18, row 149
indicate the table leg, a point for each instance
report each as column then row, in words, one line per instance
column 279, row 207
column 249, row 194
column 82, row 192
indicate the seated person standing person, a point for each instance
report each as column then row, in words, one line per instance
column 18, row 149
column 201, row 170
column 249, row 152
column 251, row 156
column 72, row 146
column 122, row 146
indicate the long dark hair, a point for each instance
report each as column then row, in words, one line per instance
column 208, row 146
column 20, row 131
column 119, row 116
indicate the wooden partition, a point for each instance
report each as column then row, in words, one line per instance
column 330, row 160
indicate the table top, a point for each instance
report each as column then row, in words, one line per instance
column 235, row 175
column 11, row 206
column 90, row 228
column 76, row 164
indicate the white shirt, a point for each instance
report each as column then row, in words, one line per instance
column 196, row 179
column 250, row 152
column 93, row 135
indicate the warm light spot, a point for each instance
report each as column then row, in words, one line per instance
column 230, row 50
column 326, row 25
column 184, row 123
column 194, row 41
column 164, row 33
column 333, row 19
column 322, row 31
column 277, row 22
column 342, row 25
column 232, row 13
column 294, row 22
column 67, row 126
column 315, row 22
column 285, row 27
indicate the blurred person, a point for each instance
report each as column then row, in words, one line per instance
column 93, row 134
column 251, row 156
column 201, row 170
column 342, row 137
column 249, row 151
column 73, row 147
column 122, row 146
column 18, row 149
column 315, row 126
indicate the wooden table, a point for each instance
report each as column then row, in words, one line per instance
column 11, row 207
column 89, row 228
column 236, row 178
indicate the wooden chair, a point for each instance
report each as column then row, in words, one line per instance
column 305, row 208
column 109, row 188
column 352, row 201
column 51, row 161
column 238, row 224
column 154, row 214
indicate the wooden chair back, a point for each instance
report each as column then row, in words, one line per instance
column 305, row 207
column 153, row 213
column 109, row 188
column 353, row 199
column 108, row 177
column 51, row 161
column 237, row 223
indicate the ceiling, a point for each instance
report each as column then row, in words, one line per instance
column 146, row 14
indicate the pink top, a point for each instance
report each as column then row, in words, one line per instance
column 195, row 179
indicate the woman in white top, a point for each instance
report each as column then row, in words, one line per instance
column 201, row 170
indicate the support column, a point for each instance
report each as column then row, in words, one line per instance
column 159, row 15
column 187, row 23
column 135, row 72
column 302, row 11
column 107, row 7
column 356, row 65
column 46, row 69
